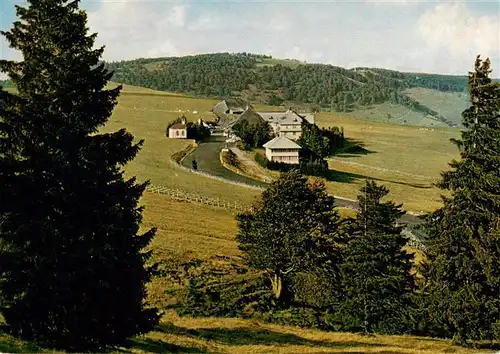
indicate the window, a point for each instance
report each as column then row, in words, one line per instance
column 183, row 133
column 177, row 132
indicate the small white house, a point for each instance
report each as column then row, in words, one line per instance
column 178, row 130
column 281, row 149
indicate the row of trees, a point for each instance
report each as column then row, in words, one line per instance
column 307, row 266
column 350, row 274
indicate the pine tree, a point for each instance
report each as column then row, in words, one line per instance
column 376, row 271
column 462, row 287
column 292, row 229
column 73, row 263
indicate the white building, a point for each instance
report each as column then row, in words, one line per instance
column 178, row 130
column 281, row 149
column 288, row 124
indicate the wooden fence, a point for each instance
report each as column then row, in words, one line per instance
column 181, row 195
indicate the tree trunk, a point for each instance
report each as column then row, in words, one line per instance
column 277, row 285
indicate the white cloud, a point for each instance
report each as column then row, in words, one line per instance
column 178, row 16
column 451, row 28
column 132, row 30
column 442, row 36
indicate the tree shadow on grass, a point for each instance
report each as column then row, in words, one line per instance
column 240, row 336
column 348, row 177
column 156, row 346
column 159, row 346
column 353, row 148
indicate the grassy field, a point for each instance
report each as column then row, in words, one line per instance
column 448, row 104
column 230, row 335
column 146, row 116
column 394, row 114
column 188, row 231
column 408, row 160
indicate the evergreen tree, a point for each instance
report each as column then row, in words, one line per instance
column 292, row 229
column 376, row 271
column 463, row 255
column 73, row 270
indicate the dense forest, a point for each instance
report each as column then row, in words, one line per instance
column 323, row 86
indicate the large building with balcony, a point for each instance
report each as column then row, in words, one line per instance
column 287, row 124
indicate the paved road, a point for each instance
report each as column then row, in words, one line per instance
column 207, row 157
column 407, row 219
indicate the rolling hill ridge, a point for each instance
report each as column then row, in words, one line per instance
column 262, row 79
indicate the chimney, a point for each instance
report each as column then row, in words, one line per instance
column 183, row 120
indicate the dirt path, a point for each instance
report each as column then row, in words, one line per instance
column 250, row 167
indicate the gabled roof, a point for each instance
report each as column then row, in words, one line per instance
column 289, row 117
column 220, row 107
column 178, row 126
column 249, row 115
column 229, row 105
column 281, row 142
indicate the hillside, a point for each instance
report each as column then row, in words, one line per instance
column 262, row 79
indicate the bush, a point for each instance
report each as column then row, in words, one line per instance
column 230, row 158
column 311, row 168
column 314, row 168
column 231, row 295
column 272, row 165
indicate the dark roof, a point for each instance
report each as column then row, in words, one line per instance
column 250, row 116
column 178, row 126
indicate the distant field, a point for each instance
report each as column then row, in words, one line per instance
column 146, row 116
column 291, row 63
column 448, row 104
column 405, row 159
column 394, row 114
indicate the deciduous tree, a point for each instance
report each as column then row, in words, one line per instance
column 292, row 229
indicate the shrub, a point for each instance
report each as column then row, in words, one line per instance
column 314, row 168
column 231, row 295
column 272, row 165
column 230, row 158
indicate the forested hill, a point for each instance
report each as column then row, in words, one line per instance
column 262, row 79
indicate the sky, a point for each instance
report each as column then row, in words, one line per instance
column 439, row 36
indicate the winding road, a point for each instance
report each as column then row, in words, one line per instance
column 207, row 156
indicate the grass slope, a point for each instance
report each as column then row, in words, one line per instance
column 394, row 114
column 408, row 160
column 448, row 104
column 189, row 231
column 405, row 158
